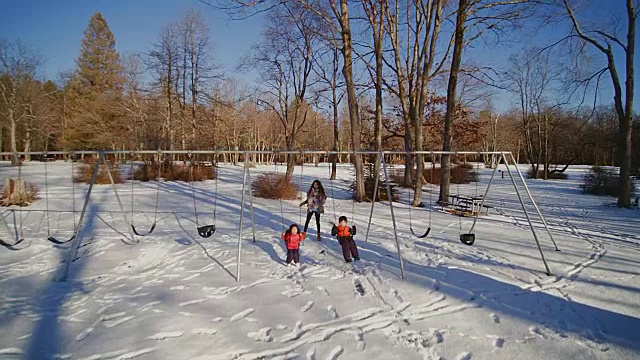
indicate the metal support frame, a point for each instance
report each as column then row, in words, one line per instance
column 393, row 217
column 253, row 222
column 533, row 202
column 244, row 183
column 77, row 240
column 115, row 191
column 526, row 214
column 375, row 196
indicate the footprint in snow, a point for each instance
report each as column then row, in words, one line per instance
column 204, row 331
column 307, row 306
column 534, row 330
column 358, row 287
column 335, row 353
column 166, row 335
column 83, row 335
column 311, row 354
column 332, row 311
column 360, row 344
column 263, row 335
column 322, row 290
column 495, row 318
column 241, row 315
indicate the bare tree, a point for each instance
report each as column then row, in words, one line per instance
column 604, row 41
column 414, row 71
column 327, row 69
column 532, row 77
column 285, row 59
column 19, row 66
column 473, row 19
column 162, row 61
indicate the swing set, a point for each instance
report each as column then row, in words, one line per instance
column 208, row 229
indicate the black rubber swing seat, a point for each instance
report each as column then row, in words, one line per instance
column 468, row 239
column 206, row 230
column 60, row 242
column 420, row 236
column 10, row 246
column 143, row 234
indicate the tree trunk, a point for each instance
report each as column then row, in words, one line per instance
column 377, row 39
column 445, row 174
column 546, row 147
column 626, row 121
column 12, row 133
column 354, row 117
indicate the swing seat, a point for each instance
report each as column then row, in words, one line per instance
column 143, row 234
column 420, row 236
column 11, row 246
column 206, row 230
column 468, row 239
column 60, row 242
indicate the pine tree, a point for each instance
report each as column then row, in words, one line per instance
column 99, row 66
column 96, row 90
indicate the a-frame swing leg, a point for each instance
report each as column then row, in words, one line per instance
column 77, row 238
column 253, row 222
column 526, row 214
column 533, row 202
column 240, row 227
column 393, row 217
column 375, row 195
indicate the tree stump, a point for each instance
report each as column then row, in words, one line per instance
column 17, row 192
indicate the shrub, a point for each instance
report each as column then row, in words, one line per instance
column 370, row 184
column 460, row 174
column 552, row 175
column 85, row 170
column 181, row 172
column 18, row 192
column 146, row 172
column 396, row 176
column 600, row 181
column 274, row 186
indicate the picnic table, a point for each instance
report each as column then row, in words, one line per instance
column 467, row 203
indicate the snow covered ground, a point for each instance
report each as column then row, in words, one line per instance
column 175, row 296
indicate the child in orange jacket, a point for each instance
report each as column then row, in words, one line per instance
column 345, row 238
column 293, row 237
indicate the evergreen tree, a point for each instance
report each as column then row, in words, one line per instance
column 96, row 90
column 99, row 67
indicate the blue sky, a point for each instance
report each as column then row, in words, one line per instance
column 55, row 29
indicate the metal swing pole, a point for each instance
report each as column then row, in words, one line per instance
column 375, row 196
column 535, row 206
column 484, row 197
column 244, row 183
column 253, row 222
column 115, row 191
column 393, row 217
column 79, row 229
column 526, row 213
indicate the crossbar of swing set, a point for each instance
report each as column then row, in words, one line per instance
column 380, row 155
column 251, row 152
